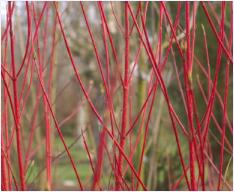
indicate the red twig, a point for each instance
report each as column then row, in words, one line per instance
column 225, row 104
column 16, row 104
column 125, row 95
column 218, row 37
column 58, row 129
column 99, row 163
column 159, row 77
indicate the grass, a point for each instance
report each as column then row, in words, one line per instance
column 63, row 169
column 64, row 172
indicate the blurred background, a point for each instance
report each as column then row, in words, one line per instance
column 161, row 165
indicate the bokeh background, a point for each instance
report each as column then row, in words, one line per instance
column 161, row 164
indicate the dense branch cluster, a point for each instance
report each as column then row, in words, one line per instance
column 147, row 76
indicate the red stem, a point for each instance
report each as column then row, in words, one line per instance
column 224, row 106
column 212, row 97
column 4, row 185
column 58, row 129
column 163, row 87
column 125, row 96
column 46, row 113
column 5, row 118
column 28, row 39
column 218, row 37
column 99, row 163
column 125, row 157
column 76, row 70
column 217, row 94
column 212, row 114
column 16, row 105
column 189, row 93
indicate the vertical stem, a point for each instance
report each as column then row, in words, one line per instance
column 4, row 186
column 161, row 82
column 125, row 96
column 53, row 75
column 47, row 117
column 224, row 107
column 217, row 69
column 188, row 85
column 218, row 37
column 46, row 112
column 58, row 128
column 16, row 105
column 141, row 95
column 5, row 119
column 99, row 163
